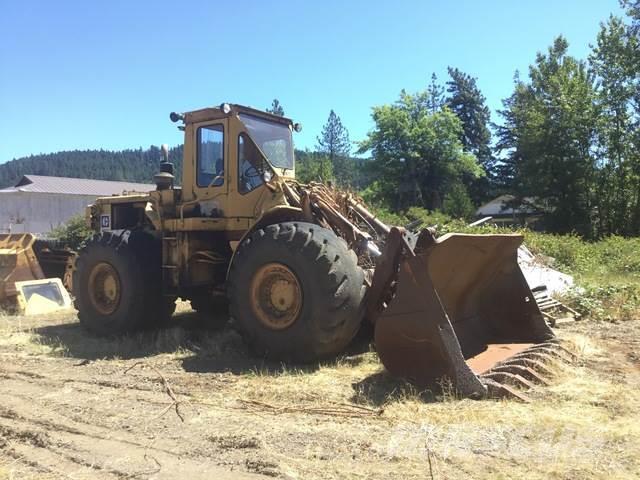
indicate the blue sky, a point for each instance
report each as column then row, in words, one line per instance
column 76, row 75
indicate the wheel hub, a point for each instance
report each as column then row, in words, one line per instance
column 276, row 296
column 104, row 288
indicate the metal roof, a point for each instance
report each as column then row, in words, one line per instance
column 75, row 186
column 500, row 206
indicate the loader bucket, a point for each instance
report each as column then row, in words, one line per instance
column 23, row 286
column 461, row 309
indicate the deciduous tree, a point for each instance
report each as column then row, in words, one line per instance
column 417, row 154
column 549, row 130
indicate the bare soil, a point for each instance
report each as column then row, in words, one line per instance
column 190, row 402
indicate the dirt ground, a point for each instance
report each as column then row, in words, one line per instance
column 188, row 402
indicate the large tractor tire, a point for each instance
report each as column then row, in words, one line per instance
column 117, row 285
column 296, row 292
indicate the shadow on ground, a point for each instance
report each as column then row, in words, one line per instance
column 204, row 346
column 185, row 330
column 230, row 354
column 381, row 388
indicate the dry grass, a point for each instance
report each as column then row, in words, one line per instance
column 585, row 425
column 277, row 419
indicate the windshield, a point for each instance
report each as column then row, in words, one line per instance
column 274, row 139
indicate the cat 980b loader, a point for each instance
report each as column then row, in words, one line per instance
column 301, row 266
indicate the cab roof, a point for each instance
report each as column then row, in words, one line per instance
column 214, row 113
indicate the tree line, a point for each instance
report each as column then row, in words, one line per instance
column 571, row 133
column 567, row 142
column 133, row 165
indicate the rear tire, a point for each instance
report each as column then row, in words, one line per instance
column 117, row 284
column 296, row 292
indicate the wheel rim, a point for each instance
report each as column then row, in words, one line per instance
column 104, row 288
column 276, row 296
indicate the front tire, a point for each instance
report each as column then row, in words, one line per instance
column 296, row 292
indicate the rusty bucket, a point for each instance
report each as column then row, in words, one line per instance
column 462, row 310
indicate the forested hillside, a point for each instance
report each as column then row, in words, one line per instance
column 140, row 165
column 127, row 165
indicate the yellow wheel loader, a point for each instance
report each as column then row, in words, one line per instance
column 301, row 266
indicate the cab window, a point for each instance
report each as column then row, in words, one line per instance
column 251, row 165
column 210, row 156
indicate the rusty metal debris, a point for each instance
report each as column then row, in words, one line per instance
column 554, row 310
column 24, row 288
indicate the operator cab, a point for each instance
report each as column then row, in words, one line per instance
column 233, row 157
column 271, row 135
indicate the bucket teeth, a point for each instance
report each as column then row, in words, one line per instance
column 500, row 390
column 557, row 345
column 551, row 350
column 541, row 356
column 525, row 372
column 522, row 370
column 535, row 364
column 509, row 378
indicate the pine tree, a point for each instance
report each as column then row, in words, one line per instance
column 334, row 143
column 435, row 95
column 313, row 167
column 130, row 165
column 276, row 108
column 613, row 60
column 632, row 7
column 468, row 103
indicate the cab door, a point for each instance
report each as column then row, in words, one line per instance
column 210, row 168
column 247, row 181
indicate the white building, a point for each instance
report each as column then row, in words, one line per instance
column 503, row 211
column 38, row 204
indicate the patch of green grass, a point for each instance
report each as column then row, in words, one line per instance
column 606, row 301
column 612, row 258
